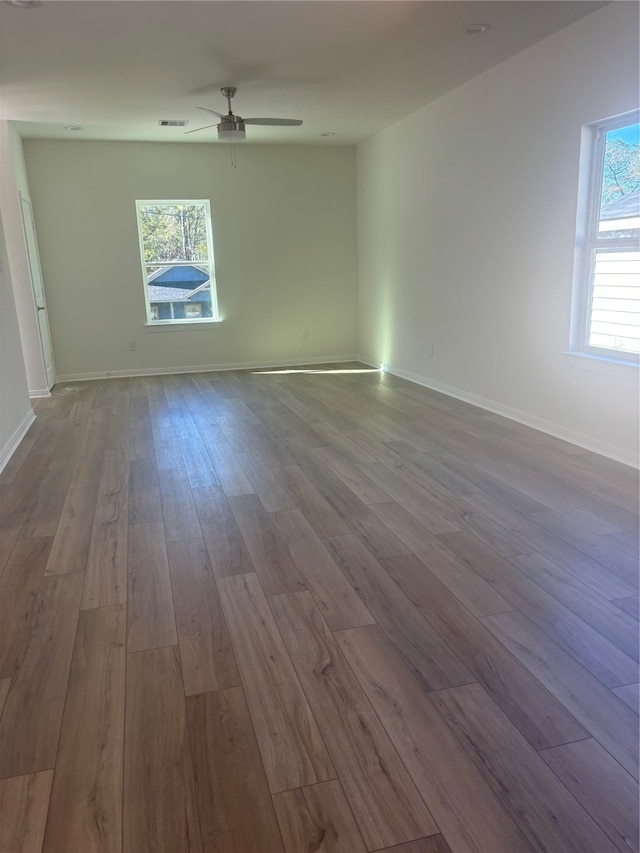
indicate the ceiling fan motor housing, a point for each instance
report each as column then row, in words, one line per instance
column 231, row 129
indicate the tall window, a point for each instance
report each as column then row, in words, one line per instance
column 606, row 318
column 176, row 248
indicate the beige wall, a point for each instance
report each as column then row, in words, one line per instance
column 16, row 414
column 284, row 232
column 466, row 217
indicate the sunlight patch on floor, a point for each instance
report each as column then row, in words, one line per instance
column 311, row 370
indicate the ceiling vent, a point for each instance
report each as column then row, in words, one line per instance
column 172, row 122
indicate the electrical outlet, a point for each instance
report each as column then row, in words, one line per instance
column 305, row 335
column 132, row 346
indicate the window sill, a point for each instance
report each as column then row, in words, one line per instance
column 182, row 325
column 603, row 364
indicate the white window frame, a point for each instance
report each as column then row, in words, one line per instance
column 196, row 321
column 588, row 242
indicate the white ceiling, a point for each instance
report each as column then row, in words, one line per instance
column 116, row 68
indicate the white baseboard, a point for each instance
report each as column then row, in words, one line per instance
column 11, row 446
column 39, row 392
column 548, row 427
column 205, row 368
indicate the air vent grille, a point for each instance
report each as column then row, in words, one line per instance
column 172, row 122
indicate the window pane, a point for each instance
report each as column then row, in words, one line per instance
column 181, row 292
column 174, row 232
column 615, row 304
column 620, row 198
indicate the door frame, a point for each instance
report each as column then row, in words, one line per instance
column 41, row 314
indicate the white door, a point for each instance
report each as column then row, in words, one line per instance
column 35, row 273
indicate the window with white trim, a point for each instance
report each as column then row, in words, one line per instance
column 176, row 250
column 606, row 306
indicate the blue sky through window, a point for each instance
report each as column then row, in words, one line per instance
column 629, row 134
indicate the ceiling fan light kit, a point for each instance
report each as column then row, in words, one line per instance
column 231, row 128
column 231, row 131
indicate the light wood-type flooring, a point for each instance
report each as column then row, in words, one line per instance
column 320, row 610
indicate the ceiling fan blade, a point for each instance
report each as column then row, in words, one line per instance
column 196, row 129
column 207, row 110
column 274, row 122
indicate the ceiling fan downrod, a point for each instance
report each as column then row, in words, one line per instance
column 229, row 92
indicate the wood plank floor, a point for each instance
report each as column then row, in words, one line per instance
column 313, row 610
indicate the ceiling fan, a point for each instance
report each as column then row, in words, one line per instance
column 231, row 128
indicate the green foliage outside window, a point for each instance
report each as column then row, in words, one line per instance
column 174, row 232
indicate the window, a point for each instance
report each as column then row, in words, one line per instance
column 176, row 249
column 192, row 311
column 606, row 311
